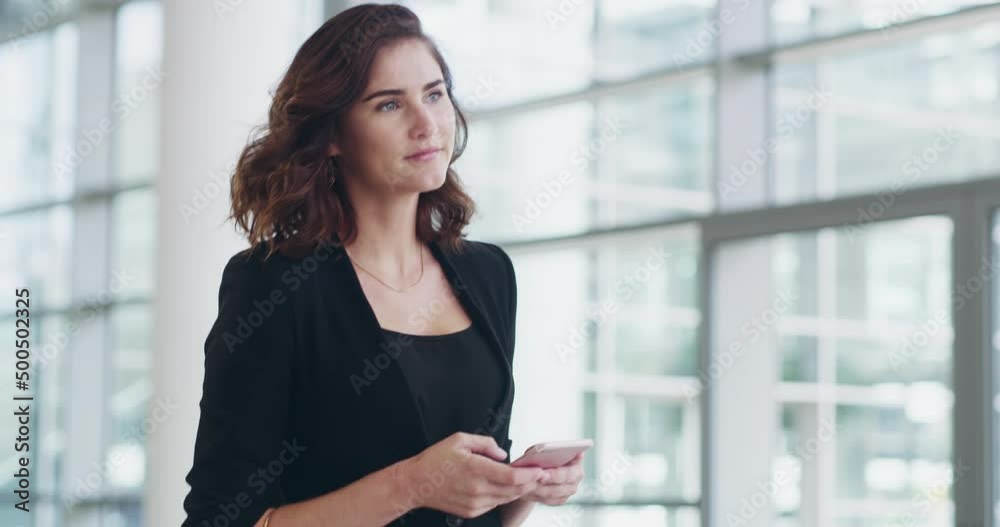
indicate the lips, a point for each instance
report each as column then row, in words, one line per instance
column 423, row 154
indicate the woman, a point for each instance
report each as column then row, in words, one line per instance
column 359, row 370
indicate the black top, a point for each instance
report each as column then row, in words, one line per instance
column 301, row 396
column 455, row 379
column 456, row 383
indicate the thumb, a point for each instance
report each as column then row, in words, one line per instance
column 487, row 446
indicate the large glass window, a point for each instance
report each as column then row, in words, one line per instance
column 903, row 115
column 521, row 172
column 637, row 37
column 864, row 345
column 37, row 121
column 583, row 166
column 614, row 326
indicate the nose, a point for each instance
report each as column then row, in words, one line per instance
column 423, row 123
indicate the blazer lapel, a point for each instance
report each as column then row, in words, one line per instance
column 471, row 302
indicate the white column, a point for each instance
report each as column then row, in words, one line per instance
column 741, row 417
column 221, row 59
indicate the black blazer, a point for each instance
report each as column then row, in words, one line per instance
column 299, row 398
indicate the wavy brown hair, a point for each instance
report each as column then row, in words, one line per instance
column 281, row 195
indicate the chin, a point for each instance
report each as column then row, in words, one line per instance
column 433, row 181
column 425, row 180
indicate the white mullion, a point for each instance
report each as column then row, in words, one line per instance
column 826, row 135
column 608, row 408
column 87, row 353
column 825, row 458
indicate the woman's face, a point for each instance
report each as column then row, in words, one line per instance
column 400, row 134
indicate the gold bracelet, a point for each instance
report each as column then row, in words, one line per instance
column 267, row 517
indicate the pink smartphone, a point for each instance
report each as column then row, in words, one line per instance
column 552, row 454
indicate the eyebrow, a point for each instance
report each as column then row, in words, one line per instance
column 379, row 93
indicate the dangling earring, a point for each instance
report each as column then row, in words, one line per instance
column 333, row 172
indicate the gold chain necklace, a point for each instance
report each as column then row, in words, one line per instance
column 387, row 285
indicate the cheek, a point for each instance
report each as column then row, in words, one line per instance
column 381, row 143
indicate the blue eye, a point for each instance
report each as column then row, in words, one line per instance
column 393, row 104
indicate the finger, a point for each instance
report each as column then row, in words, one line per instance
column 567, row 474
column 558, row 476
column 500, row 493
column 486, row 445
column 509, row 493
column 502, row 473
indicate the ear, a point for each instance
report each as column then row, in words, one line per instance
column 333, row 150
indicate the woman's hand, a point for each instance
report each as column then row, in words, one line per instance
column 464, row 475
column 558, row 484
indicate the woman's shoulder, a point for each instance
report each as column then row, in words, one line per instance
column 488, row 266
column 258, row 260
column 256, row 270
column 254, row 263
column 484, row 254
